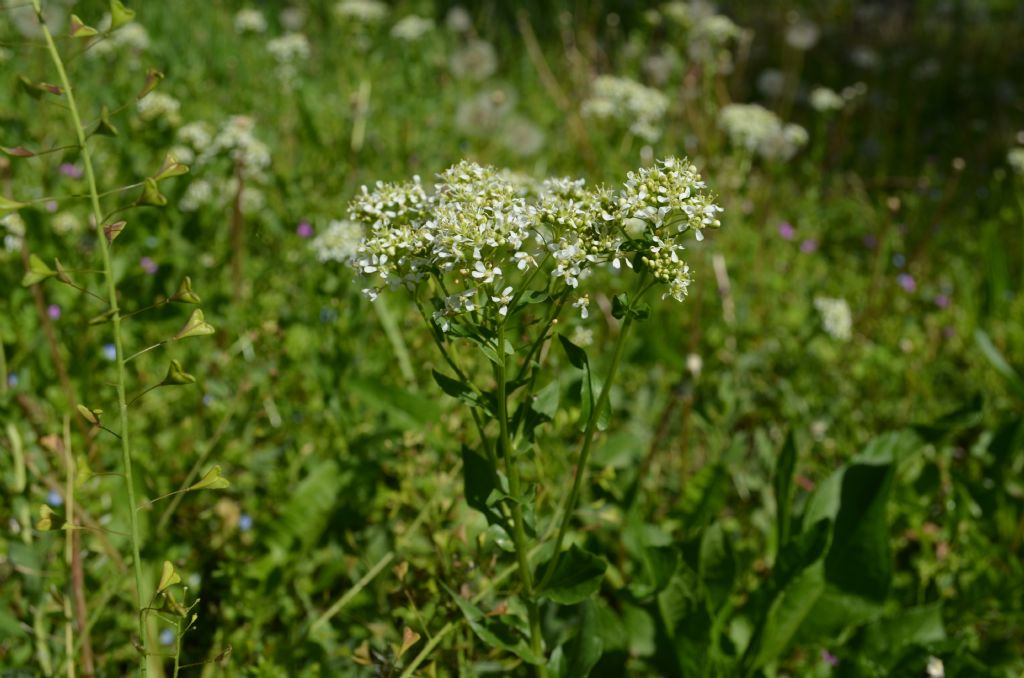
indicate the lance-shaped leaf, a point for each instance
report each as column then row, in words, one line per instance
column 8, row 205
column 90, row 415
column 37, row 272
column 213, row 480
column 170, row 168
column 17, row 151
column 45, row 521
column 151, row 194
column 38, row 89
column 111, row 231
column 168, row 577
column 79, row 29
column 177, row 376
column 153, row 78
column 577, row 576
column 195, row 327
column 119, row 14
column 185, row 295
column 105, row 127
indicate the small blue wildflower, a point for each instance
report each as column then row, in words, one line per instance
column 245, row 522
column 109, row 351
column 328, row 315
column 898, row 260
column 53, row 498
column 207, row 399
column 12, row 379
column 167, row 637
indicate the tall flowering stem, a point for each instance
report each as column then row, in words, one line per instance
column 111, row 285
column 492, row 259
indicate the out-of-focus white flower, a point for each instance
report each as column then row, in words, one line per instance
column 131, row 36
column 198, row 193
column 293, row 18
column 236, row 138
column 522, row 137
column 760, row 131
column 582, row 336
column 935, row 668
column 412, row 28
column 66, row 223
column 14, row 231
column 640, row 109
column 771, row 83
column 156, row 105
column 825, row 100
column 835, row 317
column 289, row 48
column 1015, row 158
column 694, row 364
column 197, row 134
column 476, row 61
column 865, row 58
column 661, row 66
column 483, row 114
column 854, row 91
column 339, row 242
column 365, row 11
column 583, row 304
column 458, row 20
column 802, row 35
column 250, row 21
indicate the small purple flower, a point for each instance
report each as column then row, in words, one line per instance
column 148, row 265
column 51, row 206
column 167, row 637
column 12, row 380
column 53, row 498
column 829, row 658
column 786, row 231
column 898, row 260
column 907, row 282
column 942, row 300
column 809, row 246
column 109, row 351
column 304, row 229
column 71, row 170
column 53, row 310
column 245, row 522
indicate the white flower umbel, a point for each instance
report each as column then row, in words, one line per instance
column 250, row 21
column 761, row 131
column 636, row 107
column 481, row 243
column 411, row 28
column 835, row 317
column 825, row 100
column 340, row 242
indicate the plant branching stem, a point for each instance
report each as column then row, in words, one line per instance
column 126, row 449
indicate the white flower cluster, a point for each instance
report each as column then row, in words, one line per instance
column 364, row 11
column 237, row 140
column 1015, row 158
column 411, row 28
column 760, row 131
column 481, row 237
column 289, row 48
column 708, row 32
column 835, row 317
column 641, row 109
column 13, row 232
column 250, row 21
column 157, row 105
column 131, row 36
column 825, row 100
column 476, row 61
column 340, row 242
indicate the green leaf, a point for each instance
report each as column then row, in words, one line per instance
column 37, row 272
column 717, row 565
column 585, row 649
column 211, row 481
column 119, row 14
column 859, row 560
column 457, row 389
column 704, row 496
column 577, row 576
column 658, row 565
column 685, row 617
column 785, row 615
column 890, row 636
column 493, row 631
column 782, row 483
column 577, row 356
column 8, row 205
column 479, row 481
column 998, row 362
column 546, row 400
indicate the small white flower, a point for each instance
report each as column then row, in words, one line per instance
column 935, row 668
column 694, row 364
column 250, row 21
column 582, row 303
column 505, row 298
column 484, row 273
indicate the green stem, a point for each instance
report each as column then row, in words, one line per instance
column 69, row 540
column 515, row 487
column 126, row 449
column 588, row 439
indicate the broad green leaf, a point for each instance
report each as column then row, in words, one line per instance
column 785, row 615
column 546, row 400
column 890, row 636
column 717, row 565
column 658, row 564
column 479, row 482
column 782, row 483
column 585, row 649
column 493, row 631
column 457, row 389
column 577, row 356
column 998, row 362
column 577, row 576
column 211, row 481
column 685, row 617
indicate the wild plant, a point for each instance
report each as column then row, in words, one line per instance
column 493, row 265
column 155, row 601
